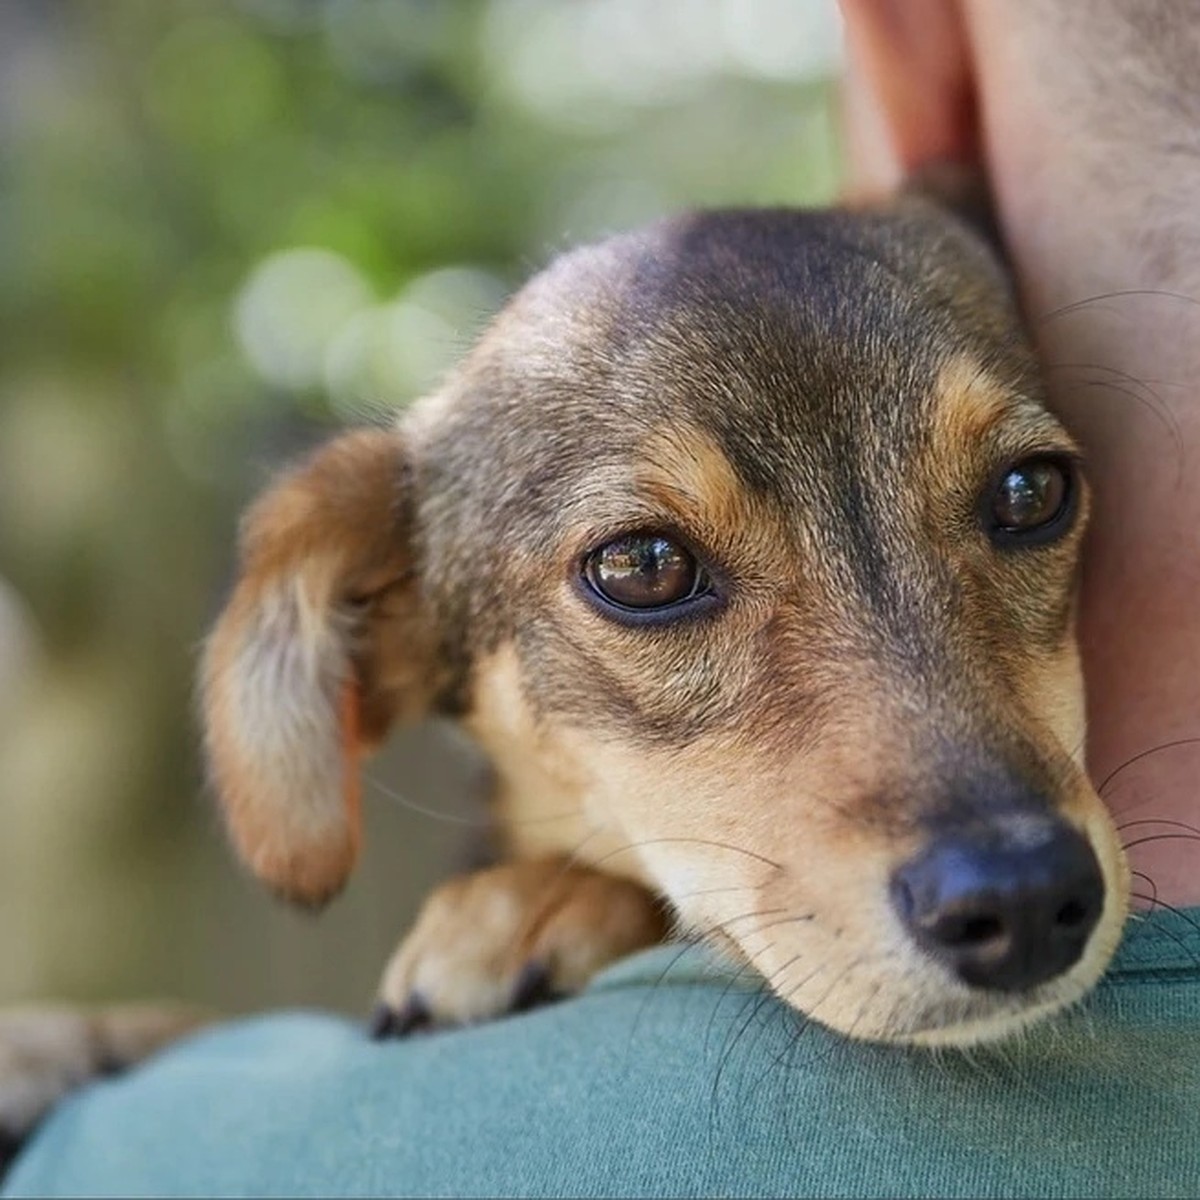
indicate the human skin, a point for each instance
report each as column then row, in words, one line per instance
column 1086, row 118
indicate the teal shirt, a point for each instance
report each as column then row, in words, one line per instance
column 670, row 1076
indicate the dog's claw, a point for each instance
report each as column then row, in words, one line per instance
column 534, row 988
column 381, row 1023
column 386, row 1022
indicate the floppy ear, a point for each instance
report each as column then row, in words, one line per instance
column 324, row 641
column 963, row 190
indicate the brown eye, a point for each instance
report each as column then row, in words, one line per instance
column 644, row 571
column 1033, row 497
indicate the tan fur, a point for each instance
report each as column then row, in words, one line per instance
column 823, row 441
column 541, row 801
column 477, row 933
column 686, row 476
column 969, row 403
column 317, row 650
column 817, row 407
column 766, row 853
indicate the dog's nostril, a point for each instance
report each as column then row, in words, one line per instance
column 903, row 899
column 973, row 931
column 999, row 912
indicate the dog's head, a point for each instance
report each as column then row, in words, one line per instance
column 746, row 547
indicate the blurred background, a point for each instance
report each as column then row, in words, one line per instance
column 228, row 227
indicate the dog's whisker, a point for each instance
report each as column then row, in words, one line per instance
column 377, row 787
column 790, row 1042
column 838, row 979
column 716, row 845
column 1151, row 900
column 1158, row 821
column 1144, row 754
column 809, row 1021
column 730, row 984
column 799, row 1023
column 713, row 891
column 722, row 925
column 1148, row 386
column 575, row 857
column 1075, row 306
column 789, row 919
column 1161, row 837
column 791, row 992
column 650, row 993
column 1137, row 390
column 1149, row 881
column 1189, row 950
column 758, row 1001
column 1155, row 902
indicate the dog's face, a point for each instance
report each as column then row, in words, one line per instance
column 747, row 548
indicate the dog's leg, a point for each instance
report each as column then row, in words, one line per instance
column 47, row 1052
column 510, row 937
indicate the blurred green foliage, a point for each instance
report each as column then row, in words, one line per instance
column 226, row 226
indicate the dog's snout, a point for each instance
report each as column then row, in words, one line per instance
column 1003, row 913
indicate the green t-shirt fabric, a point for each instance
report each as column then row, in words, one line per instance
column 670, row 1076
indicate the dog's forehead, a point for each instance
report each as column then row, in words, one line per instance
column 807, row 400
column 777, row 333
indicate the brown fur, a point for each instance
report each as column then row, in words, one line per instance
column 320, row 647
column 816, row 406
column 812, row 403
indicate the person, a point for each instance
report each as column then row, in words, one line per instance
column 672, row 1076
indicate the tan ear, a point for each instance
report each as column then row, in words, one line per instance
column 961, row 189
column 322, row 644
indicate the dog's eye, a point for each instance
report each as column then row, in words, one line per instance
column 643, row 571
column 1033, row 498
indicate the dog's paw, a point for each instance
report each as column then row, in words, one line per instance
column 47, row 1052
column 508, row 938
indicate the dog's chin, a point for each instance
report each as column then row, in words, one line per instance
column 918, row 1003
column 978, row 1019
column 954, row 1015
column 972, row 1018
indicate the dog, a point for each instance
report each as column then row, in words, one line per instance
column 746, row 547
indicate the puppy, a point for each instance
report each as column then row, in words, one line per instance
column 746, row 548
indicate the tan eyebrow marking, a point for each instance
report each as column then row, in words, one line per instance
column 685, row 470
column 967, row 403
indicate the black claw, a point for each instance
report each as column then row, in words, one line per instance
column 381, row 1023
column 386, row 1022
column 415, row 1015
column 533, row 988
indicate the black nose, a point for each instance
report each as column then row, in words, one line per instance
column 1005, row 910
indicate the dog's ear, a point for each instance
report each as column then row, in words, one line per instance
column 323, row 643
column 961, row 189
